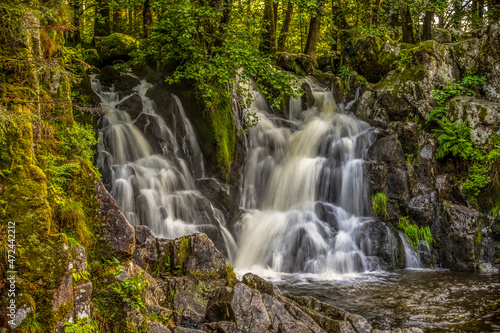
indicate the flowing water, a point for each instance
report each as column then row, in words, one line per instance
column 312, row 166
column 434, row 300
column 151, row 188
column 306, row 224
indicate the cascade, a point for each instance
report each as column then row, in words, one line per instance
column 155, row 188
column 305, row 192
column 412, row 259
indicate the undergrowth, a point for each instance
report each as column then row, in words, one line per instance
column 414, row 234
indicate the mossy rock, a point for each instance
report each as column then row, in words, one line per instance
column 299, row 63
column 115, row 47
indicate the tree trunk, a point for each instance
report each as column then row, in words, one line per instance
column 118, row 24
column 268, row 35
column 147, row 18
column 314, row 31
column 480, row 9
column 101, row 25
column 285, row 30
column 494, row 8
column 341, row 24
column 457, row 14
column 427, row 26
column 407, row 25
column 74, row 36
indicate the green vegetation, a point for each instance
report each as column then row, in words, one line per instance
column 414, row 234
column 130, row 289
column 84, row 325
column 379, row 205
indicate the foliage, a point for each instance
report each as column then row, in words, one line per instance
column 345, row 74
column 414, row 233
column 83, row 325
column 450, row 90
column 405, row 59
column 72, row 216
column 453, row 138
column 131, row 289
column 191, row 36
column 495, row 210
column 379, row 205
column 80, row 276
column 80, row 140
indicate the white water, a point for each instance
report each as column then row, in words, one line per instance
column 151, row 189
column 290, row 177
column 412, row 259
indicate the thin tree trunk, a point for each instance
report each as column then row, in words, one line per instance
column 285, row 30
column 407, row 25
column 427, row 26
column 268, row 35
column 313, row 35
column 480, row 9
column 147, row 18
column 457, row 14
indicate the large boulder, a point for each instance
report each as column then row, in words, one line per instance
column 114, row 47
column 482, row 116
column 117, row 236
column 299, row 63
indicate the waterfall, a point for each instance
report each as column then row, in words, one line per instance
column 154, row 186
column 305, row 192
column 412, row 259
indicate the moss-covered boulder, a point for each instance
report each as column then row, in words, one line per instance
column 482, row 116
column 115, row 47
column 441, row 35
column 299, row 63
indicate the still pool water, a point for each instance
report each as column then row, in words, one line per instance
column 436, row 301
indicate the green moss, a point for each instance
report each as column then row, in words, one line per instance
column 230, row 276
column 183, row 253
column 115, row 46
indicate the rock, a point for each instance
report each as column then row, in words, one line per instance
column 82, row 295
column 242, row 305
column 299, row 63
column 133, row 106
column 116, row 46
column 145, row 254
column 142, row 234
column 265, row 287
column 387, row 154
column 191, row 294
column 487, row 268
column 281, row 319
column 441, row 35
column 458, row 251
column 157, row 328
column 117, row 233
column 482, row 116
column 179, row 329
column 63, row 295
column 367, row 57
column 464, row 53
column 359, row 323
column 195, row 255
column 80, row 258
column 488, row 63
column 221, row 327
column 219, row 196
column 153, row 294
column 308, row 98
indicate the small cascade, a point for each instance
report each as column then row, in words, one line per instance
column 305, row 191
column 154, row 186
column 351, row 103
column 412, row 258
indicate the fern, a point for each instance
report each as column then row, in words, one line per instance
column 453, row 138
column 414, row 234
column 379, row 205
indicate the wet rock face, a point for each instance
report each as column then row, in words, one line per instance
column 117, row 233
column 387, row 172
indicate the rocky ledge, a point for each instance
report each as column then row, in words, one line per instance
column 190, row 288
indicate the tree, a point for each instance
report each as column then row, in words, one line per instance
column 314, row 30
column 407, row 24
column 268, row 35
column 285, row 30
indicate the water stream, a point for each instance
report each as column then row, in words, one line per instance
column 151, row 188
column 306, row 222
